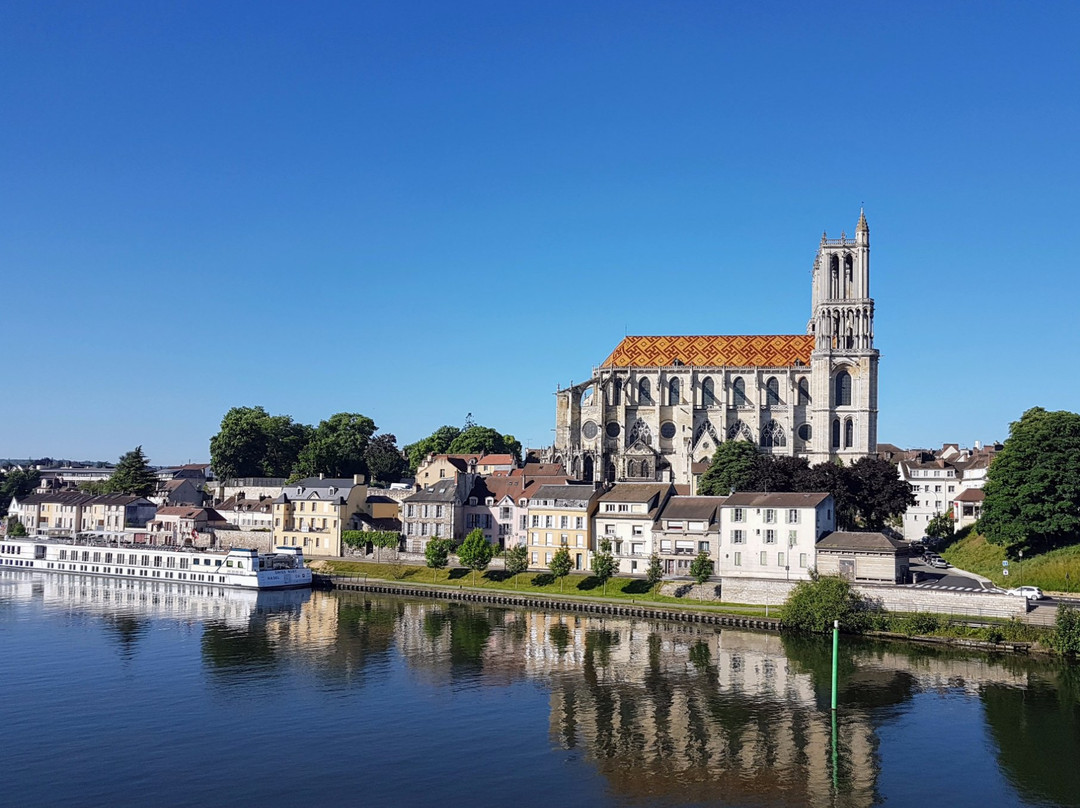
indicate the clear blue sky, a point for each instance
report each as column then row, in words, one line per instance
column 420, row 210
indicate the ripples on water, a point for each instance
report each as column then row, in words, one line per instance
column 127, row 693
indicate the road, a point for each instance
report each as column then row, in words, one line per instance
column 950, row 579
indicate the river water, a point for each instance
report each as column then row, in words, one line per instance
column 132, row 693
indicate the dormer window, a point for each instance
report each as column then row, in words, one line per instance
column 489, row 501
column 472, row 500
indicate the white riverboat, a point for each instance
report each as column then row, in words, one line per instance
column 245, row 569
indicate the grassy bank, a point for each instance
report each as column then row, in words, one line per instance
column 1047, row 571
column 633, row 590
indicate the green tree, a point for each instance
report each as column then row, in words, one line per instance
column 1033, row 485
column 94, row 487
column 16, row 485
column 438, row 442
column 133, row 475
column 655, row 573
column 561, row 565
column 833, row 477
column 517, row 560
column 603, row 563
column 877, row 491
column 476, row 552
column 813, row 605
column 731, row 469
column 437, row 555
column 941, row 526
column 253, row 443
column 385, row 462
column 484, row 440
column 778, row 473
column 337, row 447
column 16, row 529
column 701, row 568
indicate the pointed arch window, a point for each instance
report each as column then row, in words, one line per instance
column 842, row 383
column 836, row 433
column 804, row 392
column 631, row 468
column 644, row 468
column 738, row 392
column 673, row 392
column 644, row 393
column 772, row 391
column 708, row 393
column 616, row 392
column 849, row 434
column 772, row 434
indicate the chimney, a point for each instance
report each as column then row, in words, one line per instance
column 322, row 476
column 358, row 479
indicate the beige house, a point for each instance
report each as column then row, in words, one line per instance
column 625, row 515
column 559, row 516
column 863, row 557
column 71, row 514
column 185, row 524
column 313, row 512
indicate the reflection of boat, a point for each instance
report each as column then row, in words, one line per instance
column 247, row 569
column 149, row 598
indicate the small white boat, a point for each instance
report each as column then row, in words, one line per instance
column 246, row 569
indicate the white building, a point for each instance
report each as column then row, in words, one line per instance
column 625, row 516
column 772, row 535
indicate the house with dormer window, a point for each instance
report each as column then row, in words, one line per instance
column 312, row 513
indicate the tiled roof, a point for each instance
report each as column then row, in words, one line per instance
column 860, row 542
column 738, row 351
column 970, row 495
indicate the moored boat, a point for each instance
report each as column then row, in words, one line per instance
column 246, row 569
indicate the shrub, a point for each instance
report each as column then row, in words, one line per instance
column 1066, row 637
column 813, row 606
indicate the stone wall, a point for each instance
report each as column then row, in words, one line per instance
column 261, row 540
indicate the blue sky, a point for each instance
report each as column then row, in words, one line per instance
column 418, row 210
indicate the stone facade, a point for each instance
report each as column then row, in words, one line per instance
column 658, row 405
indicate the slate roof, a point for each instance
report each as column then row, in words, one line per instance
column 788, row 499
column 692, row 508
column 442, row 491
column 318, row 488
column 869, row 542
column 565, row 493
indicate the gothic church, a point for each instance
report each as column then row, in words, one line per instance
column 657, row 407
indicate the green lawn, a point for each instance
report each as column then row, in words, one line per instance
column 1047, row 571
column 531, row 583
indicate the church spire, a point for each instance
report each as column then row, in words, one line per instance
column 862, row 226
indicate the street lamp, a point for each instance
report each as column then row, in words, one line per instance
column 1021, row 568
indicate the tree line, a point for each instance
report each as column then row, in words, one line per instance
column 253, row 443
column 868, row 493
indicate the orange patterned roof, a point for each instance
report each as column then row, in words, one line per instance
column 748, row 351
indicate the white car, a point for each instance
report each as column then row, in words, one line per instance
column 1031, row 592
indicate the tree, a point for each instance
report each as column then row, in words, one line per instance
column 731, row 469
column 1033, row 485
column 337, row 447
column 94, row 487
column 655, row 573
column 516, row 559
column 385, row 462
column 133, row 475
column 778, row 473
column 701, row 568
column 813, row 605
column 16, row 485
column 561, row 564
column 438, row 442
column 476, row 552
column 877, row 491
column 484, row 440
column 603, row 563
column 16, row 529
column 941, row 526
column 832, row 476
column 253, row 443
column 1066, row 637
column 437, row 555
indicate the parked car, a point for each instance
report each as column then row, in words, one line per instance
column 939, row 562
column 1032, row 592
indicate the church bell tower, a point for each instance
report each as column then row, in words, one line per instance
column 844, row 362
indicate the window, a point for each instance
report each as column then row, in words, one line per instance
column 637, row 531
column 849, row 434
column 764, row 559
column 802, row 560
column 937, row 489
column 772, row 391
column 579, row 523
column 564, row 522
column 616, row 392
column 549, row 521
column 736, row 537
column 547, row 558
column 703, row 547
column 644, row 392
column 438, row 511
column 770, row 516
column 738, row 393
column 535, row 520
column 770, row 537
column 547, row 539
column 836, row 433
column 674, row 391
column 609, row 530
column 708, row 393
column 842, row 389
column 804, row 392
column 779, row 559
column 609, row 507
column 738, row 559
column 738, row 515
column 792, row 537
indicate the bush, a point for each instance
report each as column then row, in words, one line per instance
column 1066, row 636
column 813, row 605
column 920, row 624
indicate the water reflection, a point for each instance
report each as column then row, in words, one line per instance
column 665, row 713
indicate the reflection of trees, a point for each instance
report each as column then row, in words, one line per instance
column 1037, row 731
column 126, row 629
column 230, row 647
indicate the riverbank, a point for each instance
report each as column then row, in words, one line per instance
column 1056, row 572
column 992, row 635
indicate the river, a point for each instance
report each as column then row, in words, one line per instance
column 139, row 693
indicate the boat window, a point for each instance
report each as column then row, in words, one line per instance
column 228, row 563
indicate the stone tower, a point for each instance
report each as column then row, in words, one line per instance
column 844, row 362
